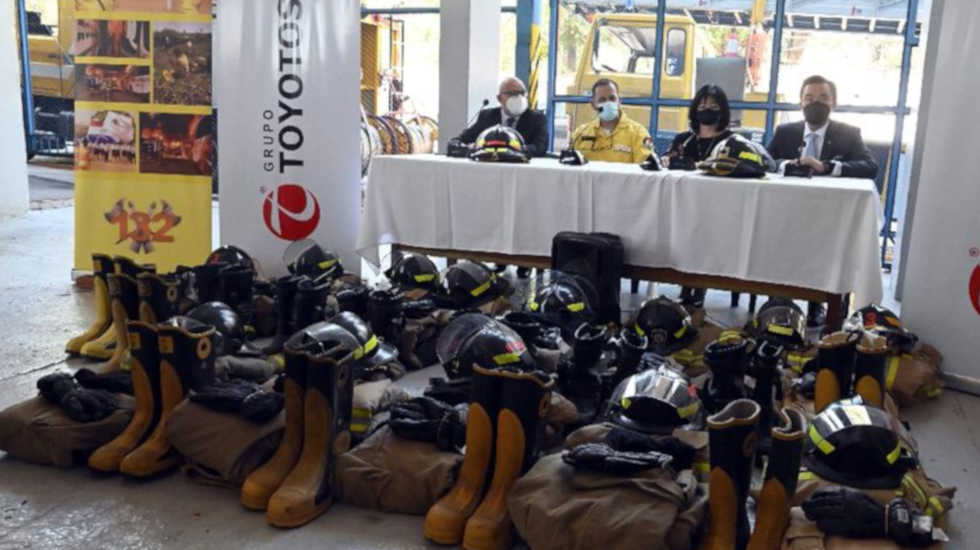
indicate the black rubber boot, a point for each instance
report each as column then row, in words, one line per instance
column 309, row 304
column 765, row 369
column 773, row 504
column 727, row 358
column 632, row 346
column 159, row 297
column 384, row 312
column 285, row 293
column 835, row 368
column 582, row 385
column 353, row 299
column 206, row 286
column 235, row 283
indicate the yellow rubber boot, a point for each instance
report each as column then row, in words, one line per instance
column 782, row 472
column 264, row 481
column 446, row 519
column 307, row 492
column 524, row 399
column 731, row 444
column 835, row 368
column 101, row 267
column 186, row 361
column 145, row 371
column 869, row 370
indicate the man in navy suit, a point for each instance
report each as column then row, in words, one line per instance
column 830, row 148
column 513, row 111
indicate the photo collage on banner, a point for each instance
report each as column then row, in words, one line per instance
column 145, row 142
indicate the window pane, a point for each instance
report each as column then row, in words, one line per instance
column 508, row 44
column 400, row 64
column 725, row 43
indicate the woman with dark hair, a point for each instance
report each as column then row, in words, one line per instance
column 708, row 117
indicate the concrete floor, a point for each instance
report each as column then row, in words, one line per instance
column 43, row 507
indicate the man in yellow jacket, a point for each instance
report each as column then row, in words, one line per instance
column 612, row 136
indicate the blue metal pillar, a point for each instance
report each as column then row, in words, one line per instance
column 911, row 41
column 777, row 48
column 522, row 54
column 552, row 67
column 25, row 63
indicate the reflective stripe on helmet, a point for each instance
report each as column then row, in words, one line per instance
column 424, row 277
column 796, row 361
column 777, row 329
column 689, row 410
column 701, row 467
column 507, row 358
column 371, row 344
column 325, row 264
column 680, row 332
column 480, row 289
column 825, row 446
column 638, row 330
column 806, row 476
column 729, row 335
column 576, row 307
column 532, row 305
column 748, row 155
column 515, row 144
column 893, row 456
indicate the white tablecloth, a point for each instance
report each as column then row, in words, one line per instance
column 820, row 233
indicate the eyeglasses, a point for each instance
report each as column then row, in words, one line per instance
column 513, row 93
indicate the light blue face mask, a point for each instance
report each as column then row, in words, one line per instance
column 609, row 111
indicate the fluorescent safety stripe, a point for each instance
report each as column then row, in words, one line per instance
column 776, row 329
column 681, row 332
column 825, row 446
column 685, row 412
column 370, row 345
column 326, row 263
column 576, row 307
column 892, row 372
column 506, row 358
column 424, row 277
column 480, row 289
column 893, row 456
column 638, row 330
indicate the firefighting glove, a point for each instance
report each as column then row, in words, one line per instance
column 428, row 419
column 80, row 404
column 629, row 441
column 851, row 513
column 224, row 396
column 261, row 406
column 453, row 392
column 600, row 457
column 116, row 381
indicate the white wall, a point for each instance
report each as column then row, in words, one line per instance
column 944, row 238
column 469, row 61
column 13, row 184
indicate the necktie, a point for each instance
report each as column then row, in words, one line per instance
column 510, row 121
column 811, row 145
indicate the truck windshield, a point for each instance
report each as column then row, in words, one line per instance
column 623, row 49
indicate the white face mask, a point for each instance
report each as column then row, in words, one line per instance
column 516, row 105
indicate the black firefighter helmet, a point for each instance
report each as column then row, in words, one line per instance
column 737, row 157
column 566, row 300
column 470, row 284
column 414, row 271
column 655, row 401
column 883, row 322
column 308, row 258
column 499, row 144
column 230, row 255
column 474, row 338
column 780, row 321
column 665, row 323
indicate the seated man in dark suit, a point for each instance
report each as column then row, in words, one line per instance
column 513, row 112
column 830, row 148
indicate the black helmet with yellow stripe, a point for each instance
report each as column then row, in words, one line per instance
column 656, row 401
column 856, row 445
column 781, row 322
column 665, row 323
column 308, row 258
column 738, row 157
column 414, row 271
column 476, row 339
column 564, row 299
column 470, row 284
column 499, row 144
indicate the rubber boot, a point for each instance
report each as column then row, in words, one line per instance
column 144, row 368
column 101, row 267
column 124, row 299
column 104, row 347
column 307, row 491
column 446, row 519
column 285, row 292
column 263, row 482
column 869, row 370
column 835, row 367
column 731, row 446
column 782, row 472
column 159, row 297
column 583, row 386
column 309, row 304
column 632, row 346
column 235, row 283
column 524, row 401
column 353, row 299
column 187, row 353
column 726, row 357
column 765, row 369
column 384, row 311
column 206, row 286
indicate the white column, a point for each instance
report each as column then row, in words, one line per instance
column 13, row 152
column 469, row 61
column 941, row 298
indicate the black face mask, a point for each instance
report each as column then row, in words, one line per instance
column 708, row 117
column 816, row 113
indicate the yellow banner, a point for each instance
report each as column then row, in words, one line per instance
column 144, row 130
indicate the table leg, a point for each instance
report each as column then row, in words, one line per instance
column 835, row 312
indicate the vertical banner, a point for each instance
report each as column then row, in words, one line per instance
column 144, row 130
column 941, row 297
column 287, row 87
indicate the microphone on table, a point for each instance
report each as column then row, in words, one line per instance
column 478, row 111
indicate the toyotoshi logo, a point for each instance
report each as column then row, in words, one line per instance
column 975, row 289
column 290, row 211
